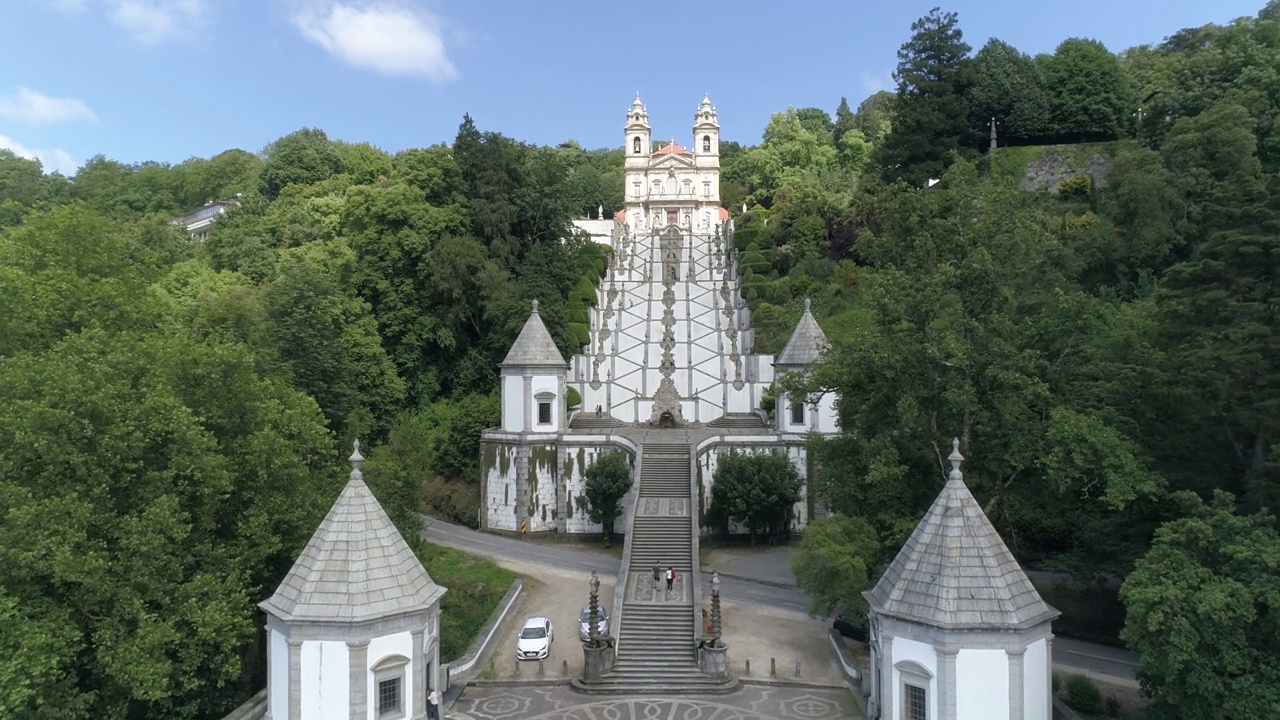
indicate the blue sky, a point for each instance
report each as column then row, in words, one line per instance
column 170, row 79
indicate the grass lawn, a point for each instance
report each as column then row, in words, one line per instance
column 475, row 588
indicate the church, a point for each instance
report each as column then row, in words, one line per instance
column 671, row 347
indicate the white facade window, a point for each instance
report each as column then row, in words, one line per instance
column 657, row 187
column 915, row 704
column 706, row 143
column 388, row 681
column 688, row 188
column 797, row 413
column 706, row 189
column 635, row 189
column 635, row 145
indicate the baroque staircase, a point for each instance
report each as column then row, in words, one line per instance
column 656, row 645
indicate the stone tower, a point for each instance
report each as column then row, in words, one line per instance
column 354, row 629
column 957, row 629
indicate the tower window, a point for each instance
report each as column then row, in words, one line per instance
column 797, row 413
column 706, row 143
column 544, row 413
column 635, row 145
column 635, row 189
column 706, row 189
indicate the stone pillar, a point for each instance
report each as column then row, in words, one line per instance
column 417, row 660
column 946, row 683
column 887, row 683
column 1016, row 703
column 596, row 661
column 714, row 661
column 295, row 679
column 1048, row 669
column 358, row 681
column 530, row 402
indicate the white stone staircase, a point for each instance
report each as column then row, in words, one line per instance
column 656, row 645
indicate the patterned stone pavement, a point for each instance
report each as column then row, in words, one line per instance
column 752, row 702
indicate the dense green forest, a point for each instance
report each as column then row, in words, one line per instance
column 1105, row 348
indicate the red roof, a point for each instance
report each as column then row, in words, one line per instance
column 621, row 215
column 724, row 214
column 672, row 149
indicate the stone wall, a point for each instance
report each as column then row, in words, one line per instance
column 538, row 480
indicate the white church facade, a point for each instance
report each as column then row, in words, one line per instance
column 671, row 345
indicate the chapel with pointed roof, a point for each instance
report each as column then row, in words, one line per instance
column 957, row 628
column 354, row 628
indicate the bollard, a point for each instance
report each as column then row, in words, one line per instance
column 773, row 667
column 517, row 667
column 797, row 667
column 564, row 668
column 748, row 671
column 540, row 668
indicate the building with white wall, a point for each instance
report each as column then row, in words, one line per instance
column 803, row 414
column 353, row 631
column 197, row 222
column 958, row 632
column 670, row 345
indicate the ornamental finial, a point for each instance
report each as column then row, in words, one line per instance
column 955, row 457
column 535, row 307
column 806, row 306
column 356, row 458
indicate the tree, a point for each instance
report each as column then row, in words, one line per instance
column 1007, row 87
column 816, row 121
column 875, row 116
column 1201, row 610
column 835, row 562
column 930, row 120
column 607, row 481
column 756, row 490
column 302, row 157
column 1090, row 95
column 844, row 121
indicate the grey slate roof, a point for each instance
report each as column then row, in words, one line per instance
column 955, row 572
column 807, row 342
column 534, row 347
column 356, row 566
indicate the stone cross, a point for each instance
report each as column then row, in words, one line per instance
column 593, row 611
column 715, row 609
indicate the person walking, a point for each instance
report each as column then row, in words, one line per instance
column 433, row 705
column 671, row 577
column 657, row 579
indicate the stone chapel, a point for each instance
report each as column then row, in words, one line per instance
column 671, row 347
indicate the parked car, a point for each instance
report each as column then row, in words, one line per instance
column 855, row 630
column 584, row 622
column 535, row 639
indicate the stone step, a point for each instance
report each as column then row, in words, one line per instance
column 589, row 420
column 738, row 420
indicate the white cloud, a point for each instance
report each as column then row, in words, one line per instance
column 384, row 37
column 152, row 22
column 149, row 22
column 873, row 83
column 52, row 160
column 34, row 108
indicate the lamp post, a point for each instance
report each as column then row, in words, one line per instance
column 715, row 609
column 593, row 612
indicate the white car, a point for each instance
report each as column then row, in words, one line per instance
column 535, row 639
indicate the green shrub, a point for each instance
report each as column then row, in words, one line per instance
column 576, row 313
column 580, row 333
column 572, row 399
column 1076, row 188
column 1057, row 683
column 1084, row 696
column 584, row 292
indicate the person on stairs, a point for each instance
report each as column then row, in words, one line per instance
column 671, row 577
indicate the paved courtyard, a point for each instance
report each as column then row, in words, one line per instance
column 752, row 702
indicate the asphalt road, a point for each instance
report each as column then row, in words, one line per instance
column 1068, row 654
